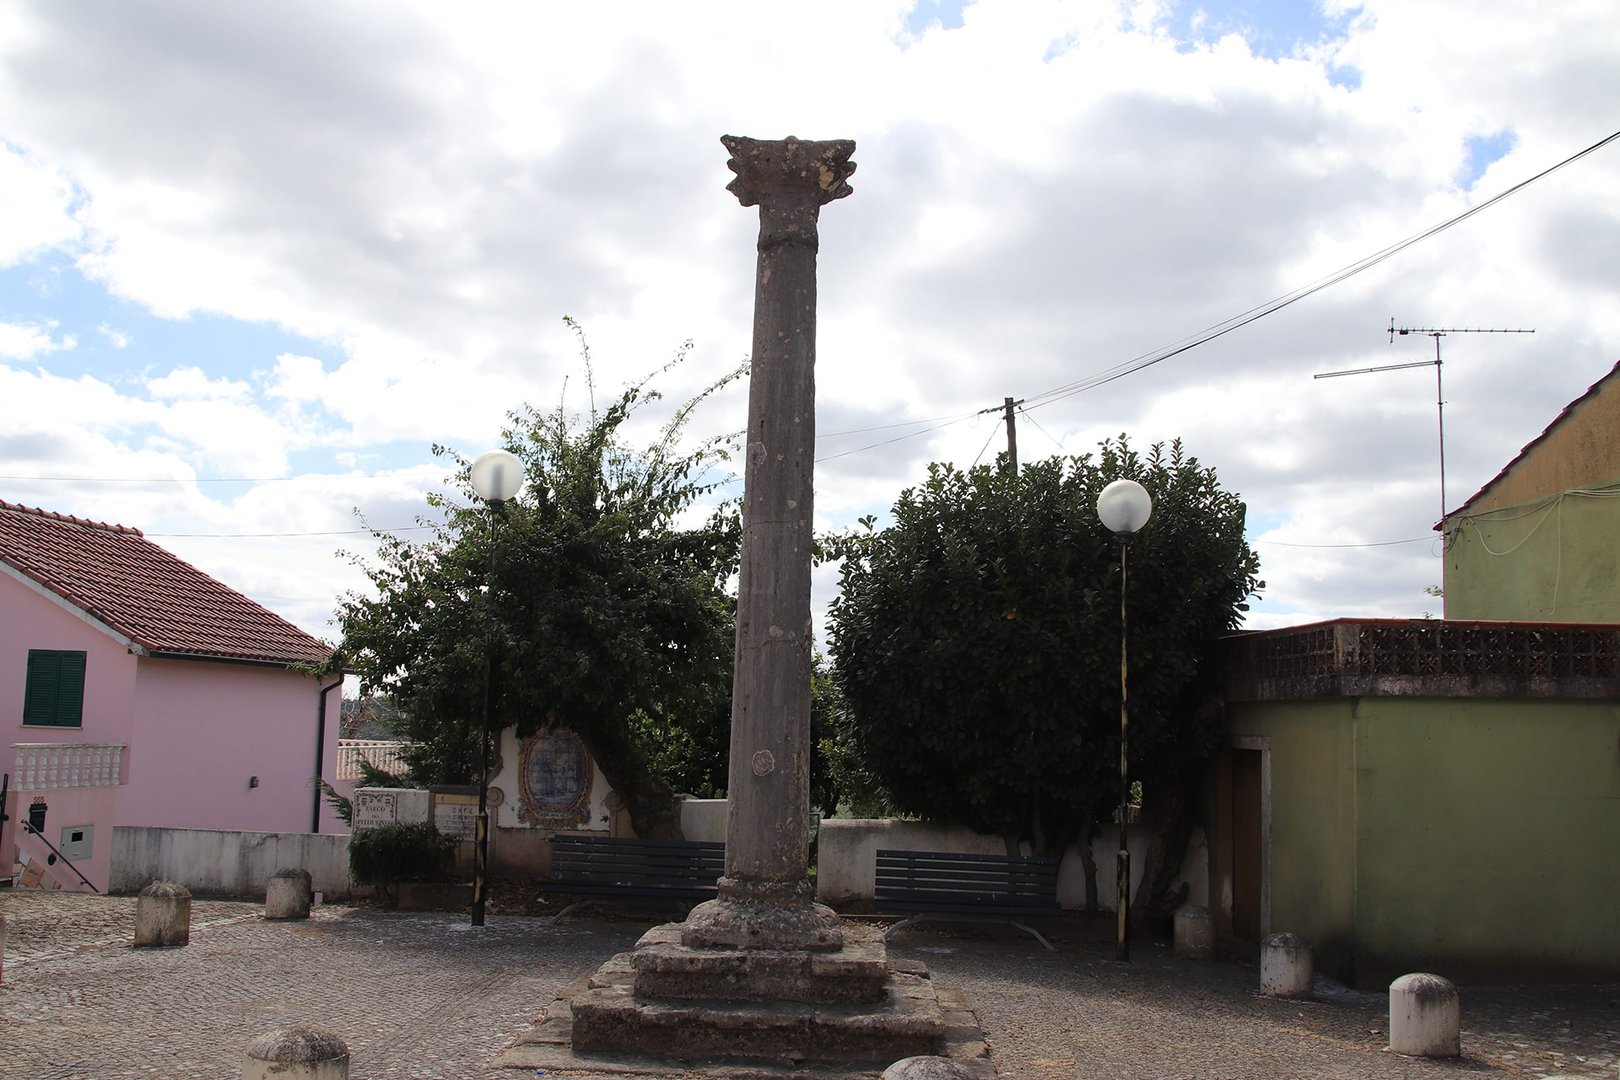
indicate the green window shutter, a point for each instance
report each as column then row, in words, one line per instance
column 54, row 695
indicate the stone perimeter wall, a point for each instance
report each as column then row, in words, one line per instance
column 221, row 863
column 214, row 862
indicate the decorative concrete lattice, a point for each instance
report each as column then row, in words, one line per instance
column 1432, row 657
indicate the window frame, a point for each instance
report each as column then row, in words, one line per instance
column 53, row 692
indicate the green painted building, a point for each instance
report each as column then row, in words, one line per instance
column 1538, row 542
column 1423, row 796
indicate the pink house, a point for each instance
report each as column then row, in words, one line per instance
column 137, row 690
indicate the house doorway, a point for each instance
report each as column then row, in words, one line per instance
column 1248, row 833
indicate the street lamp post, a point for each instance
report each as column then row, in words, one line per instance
column 1124, row 507
column 497, row 475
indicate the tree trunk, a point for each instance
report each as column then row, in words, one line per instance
column 1088, row 862
column 1167, row 811
column 650, row 801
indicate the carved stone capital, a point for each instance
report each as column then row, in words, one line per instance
column 789, row 169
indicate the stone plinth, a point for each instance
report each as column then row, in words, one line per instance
column 548, row 1046
column 666, row 968
column 610, row 1019
column 670, row 1001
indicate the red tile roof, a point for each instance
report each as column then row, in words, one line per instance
column 160, row 602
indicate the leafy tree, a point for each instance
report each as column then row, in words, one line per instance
column 690, row 750
column 838, row 779
column 604, row 610
column 373, row 716
column 976, row 643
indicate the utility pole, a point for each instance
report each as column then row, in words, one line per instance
column 1012, row 437
column 1010, row 467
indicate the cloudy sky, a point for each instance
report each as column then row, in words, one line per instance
column 255, row 259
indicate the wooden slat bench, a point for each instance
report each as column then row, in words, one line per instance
column 595, row 867
column 950, row 886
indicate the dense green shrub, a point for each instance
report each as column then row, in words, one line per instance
column 385, row 855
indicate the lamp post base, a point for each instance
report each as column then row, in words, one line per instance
column 1124, row 898
column 480, row 865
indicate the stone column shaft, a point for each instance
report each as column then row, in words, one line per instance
column 767, row 841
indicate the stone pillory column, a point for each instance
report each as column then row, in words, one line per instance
column 764, row 898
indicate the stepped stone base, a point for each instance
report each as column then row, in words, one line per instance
column 858, row 972
column 610, row 1024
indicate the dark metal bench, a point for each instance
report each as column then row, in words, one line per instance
column 604, row 866
column 955, row 887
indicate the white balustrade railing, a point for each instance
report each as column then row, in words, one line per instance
column 378, row 753
column 47, row 766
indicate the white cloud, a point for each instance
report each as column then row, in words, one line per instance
column 1048, row 191
column 192, row 383
column 21, row 341
column 37, row 212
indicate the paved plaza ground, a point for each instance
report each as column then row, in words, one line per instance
column 424, row 995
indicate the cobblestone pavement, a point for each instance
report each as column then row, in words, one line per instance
column 414, row 995
column 1080, row 1013
column 427, row 996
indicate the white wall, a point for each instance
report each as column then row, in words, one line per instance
column 704, row 819
column 212, row 862
column 505, row 813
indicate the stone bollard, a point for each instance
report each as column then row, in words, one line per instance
column 1286, row 967
column 1195, row 932
column 927, row 1068
column 1425, row 1018
column 297, row 1052
column 162, row 915
column 289, row 894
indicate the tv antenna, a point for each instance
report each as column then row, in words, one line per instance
column 1439, row 387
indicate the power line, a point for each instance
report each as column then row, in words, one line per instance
column 1378, row 543
column 897, row 438
column 284, row 535
column 201, row 479
column 1221, row 329
column 1040, row 429
column 1048, row 397
column 983, row 448
column 890, row 427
